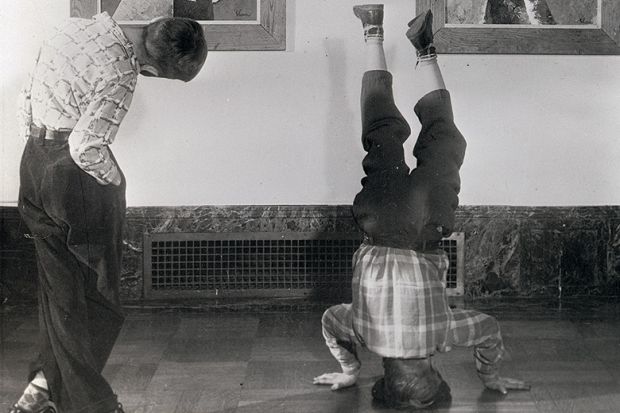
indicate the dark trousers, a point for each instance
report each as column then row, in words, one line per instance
column 396, row 207
column 76, row 225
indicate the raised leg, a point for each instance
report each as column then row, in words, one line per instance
column 440, row 148
column 428, row 75
column 371, row 16
column 384, row 130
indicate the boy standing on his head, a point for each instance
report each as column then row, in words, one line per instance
column 400, row 309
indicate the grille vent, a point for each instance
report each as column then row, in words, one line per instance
column 263, row 264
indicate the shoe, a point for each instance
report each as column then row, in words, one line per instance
column 119, row 409
column 420, row 32
column 34, row 400
column 49, row 408
column 371, row 16
column 369, row 13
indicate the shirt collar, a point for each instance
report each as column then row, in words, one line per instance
column 111, row 25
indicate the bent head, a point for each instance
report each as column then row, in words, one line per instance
column 410, row 383
column 176, row 48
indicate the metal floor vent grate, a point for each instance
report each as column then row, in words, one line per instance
column 262, row 264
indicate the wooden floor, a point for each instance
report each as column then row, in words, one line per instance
column 181, row 362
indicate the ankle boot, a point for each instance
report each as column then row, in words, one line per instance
column 420, row 34
column 34, row 400
column 119, row 409
column 371, row 16
column 49, row 408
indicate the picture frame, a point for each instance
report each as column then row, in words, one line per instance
column 267, row 32
column 602, row 38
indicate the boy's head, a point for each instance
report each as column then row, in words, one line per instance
column 410, row 383
column 176, row 47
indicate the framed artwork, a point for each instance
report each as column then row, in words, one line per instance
column 572, row 27
column 228, row 24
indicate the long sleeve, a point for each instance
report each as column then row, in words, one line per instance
column 97, row 128
column 340, row 338
column 472, row 328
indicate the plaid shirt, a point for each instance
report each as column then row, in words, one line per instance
column 83, row 81
column 400, row 307
column 400, row 310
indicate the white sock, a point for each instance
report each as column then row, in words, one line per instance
column 375, row 55
column 427, row 77
column 36, row 394
column 40, row 380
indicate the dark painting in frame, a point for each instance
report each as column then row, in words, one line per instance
column 268, row 32
column 600, row 38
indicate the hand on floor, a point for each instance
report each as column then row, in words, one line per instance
column 337, row 380
column 503, row 384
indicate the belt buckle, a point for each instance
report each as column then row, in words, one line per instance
column 56, row 135
column 37, row 132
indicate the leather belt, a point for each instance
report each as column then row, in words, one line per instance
column 394, row 242
column 52, row 135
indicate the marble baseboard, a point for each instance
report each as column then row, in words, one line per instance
column 531, row 251
column 517, row 251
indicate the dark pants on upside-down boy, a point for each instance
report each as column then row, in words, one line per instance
column 400, row 309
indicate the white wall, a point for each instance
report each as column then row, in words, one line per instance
column 283, row 127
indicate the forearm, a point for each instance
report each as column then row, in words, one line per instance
column 97, row 127
column 338, row 335
column 96, row 161
column 473, row 328
column 348, row 360
column 488, row 355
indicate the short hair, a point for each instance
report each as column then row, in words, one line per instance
column 177, row 45
column 410, row 383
